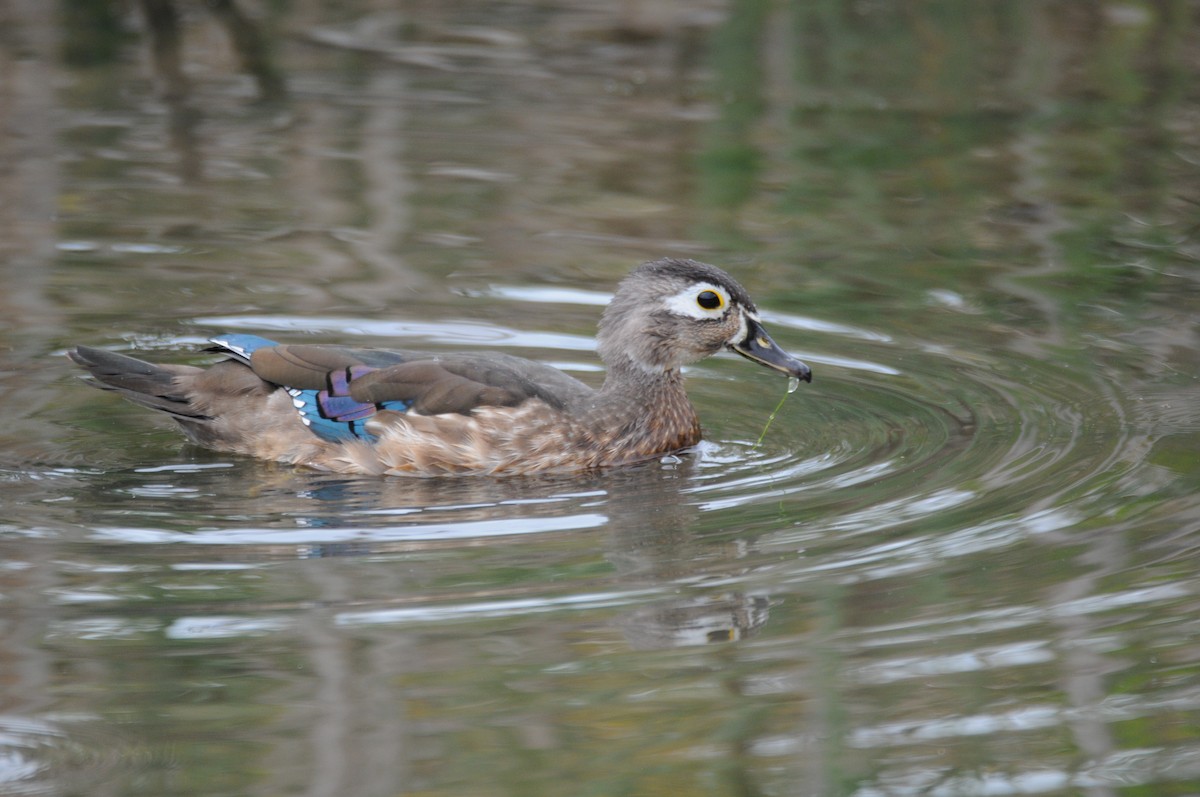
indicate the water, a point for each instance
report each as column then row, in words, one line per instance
column 963, row 560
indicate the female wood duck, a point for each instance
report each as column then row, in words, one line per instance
column 423, row 414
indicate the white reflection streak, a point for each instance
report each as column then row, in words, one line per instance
column 816, row 325
column 846, row 362
column 456, row 332
column 896, row 733
column 1117, row 600
column 924, row 630
column 221, row 627
column 504, row 608
column 21, row 738
column 864, row 474
column 546, row 295
column 923, row 552
column 304, row 536
column 1000, row 656
column 902, row 510
column 187, row 467
column 784, row 481
column 96, row 628
column 1125, row 768
column 1017, row 654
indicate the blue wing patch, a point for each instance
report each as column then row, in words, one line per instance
column 338, row 417
column 241, row 346
column 333, row 414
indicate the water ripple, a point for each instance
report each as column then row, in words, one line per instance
column 950, row 436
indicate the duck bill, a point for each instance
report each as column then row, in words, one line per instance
column 758, row 346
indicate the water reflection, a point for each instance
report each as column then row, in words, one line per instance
column 649, row 538
column 165, row 36
column 648, row 525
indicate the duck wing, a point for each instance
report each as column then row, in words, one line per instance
column 336, row 390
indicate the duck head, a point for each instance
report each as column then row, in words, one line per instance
column 668, row 313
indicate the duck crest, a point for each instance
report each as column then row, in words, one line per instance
column 357, row 410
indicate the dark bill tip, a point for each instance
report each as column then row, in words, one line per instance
column 759, row 347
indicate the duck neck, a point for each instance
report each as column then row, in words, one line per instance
column 639, row 412
column 633, row 378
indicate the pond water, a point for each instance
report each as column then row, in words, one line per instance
column 964, row 560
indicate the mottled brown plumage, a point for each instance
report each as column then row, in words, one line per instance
column 424, row 414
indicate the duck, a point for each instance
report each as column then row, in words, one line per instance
column 413, row 413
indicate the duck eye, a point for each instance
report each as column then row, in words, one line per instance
column 709, row 300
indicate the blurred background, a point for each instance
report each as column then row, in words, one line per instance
column 964, row 560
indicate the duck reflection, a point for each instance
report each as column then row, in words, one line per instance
column 656, row 539
column 653, row 537
column 699, row 621
column 539, row 538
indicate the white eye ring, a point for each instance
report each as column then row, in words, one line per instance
column 687, row 302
